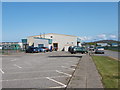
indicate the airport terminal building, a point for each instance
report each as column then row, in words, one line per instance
column 58, row 41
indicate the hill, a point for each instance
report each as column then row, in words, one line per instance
column 103, row 41
column 106, row 41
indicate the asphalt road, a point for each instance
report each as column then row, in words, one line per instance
column 38, row 70
column 112, row 54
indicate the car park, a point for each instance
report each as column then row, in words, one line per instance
column 99, row 50
column 78, row 49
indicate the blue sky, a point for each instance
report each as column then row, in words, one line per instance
column 89, row 20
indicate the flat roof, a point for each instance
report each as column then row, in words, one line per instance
column 53, row 34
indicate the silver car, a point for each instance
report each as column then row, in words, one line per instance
column 99, row 50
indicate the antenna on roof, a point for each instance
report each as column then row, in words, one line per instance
column 40, row 35
column 44, row 35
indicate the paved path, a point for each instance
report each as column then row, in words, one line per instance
column 86, row 75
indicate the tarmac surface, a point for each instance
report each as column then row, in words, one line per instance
column 49, row 70
column 112, row 54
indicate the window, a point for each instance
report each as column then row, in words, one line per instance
column 40, row 45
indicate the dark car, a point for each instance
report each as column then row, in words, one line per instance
column 35, row 50
column 78, row 49
column 41, row 49
column 70, row 48
column 99, row 50
column 31, row 49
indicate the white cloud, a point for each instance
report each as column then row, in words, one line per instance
column 102, row 36
column 85, row 38
column 99, row 37
column 112, row 36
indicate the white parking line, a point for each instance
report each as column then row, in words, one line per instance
column 14, row 60
column 1, row 71
column 57, row 87
column 64, row 73
column 33, row 78
column 35, row 71
column 17, row 66
column 74, row 65
column 68, row 68
column 63, row 85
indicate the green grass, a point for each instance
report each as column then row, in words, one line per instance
column 108, row 69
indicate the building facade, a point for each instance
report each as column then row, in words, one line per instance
column 58, row 41
column 11, row 45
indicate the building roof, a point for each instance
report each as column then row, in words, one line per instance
column 53, row 34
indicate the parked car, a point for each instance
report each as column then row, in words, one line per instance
column 35, row 50
column 46, row 48
column 99, row 50
column 77, row 49
column 70, row 48
column 91, row 48
column 31, row 49
column 41, row 49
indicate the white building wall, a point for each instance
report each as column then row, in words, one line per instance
column 30, row 41
column 41, row 41
column 64, row 41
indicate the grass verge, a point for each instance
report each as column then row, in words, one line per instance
column 108, row 69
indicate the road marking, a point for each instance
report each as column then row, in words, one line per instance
column 56, row 81
column 57, row 87
column 34, row 78
column 68, row 68
column 1, row 71
column 36, row 71
column 74, row 65
column 63, row 73
column 14, row 60
column 17, row 66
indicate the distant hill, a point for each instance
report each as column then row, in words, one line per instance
column 103, row 41
column 106, row 41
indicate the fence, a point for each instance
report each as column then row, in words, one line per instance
column 9, row 52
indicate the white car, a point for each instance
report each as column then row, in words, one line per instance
column 99, row 50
